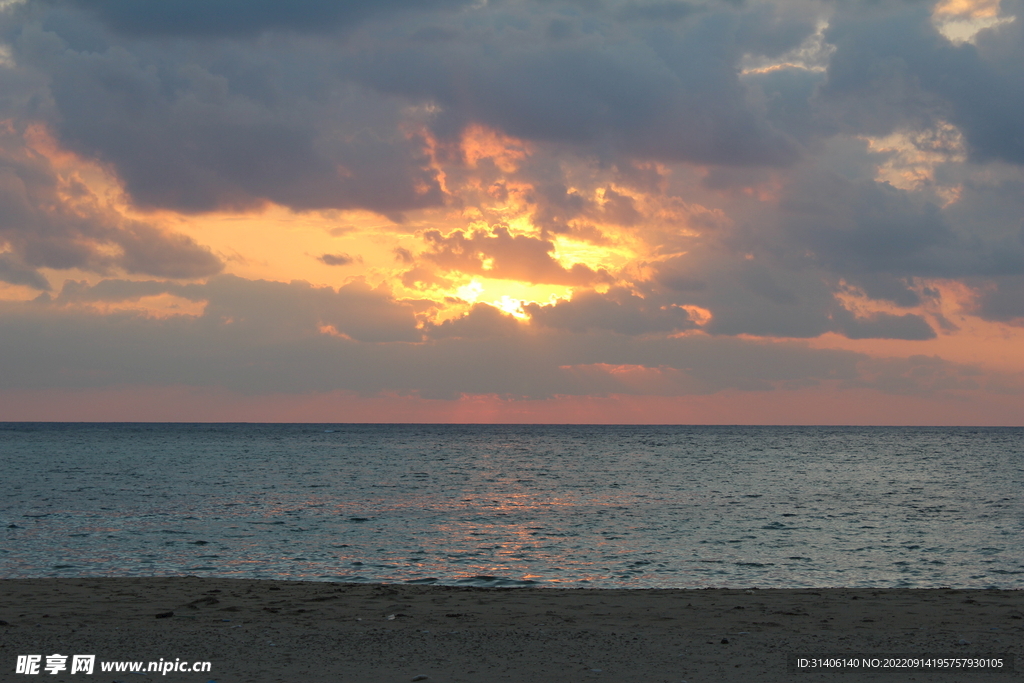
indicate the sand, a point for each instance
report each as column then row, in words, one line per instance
column 298, row 632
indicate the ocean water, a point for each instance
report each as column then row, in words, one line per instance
column 590, row 506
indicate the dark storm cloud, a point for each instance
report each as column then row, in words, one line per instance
column 882, row 239
column 745, row 297
column 201, row 125
column 317, row 119
column 866, row 226
column 665, row 92
column 764, row 298
column 899, row 291
column 833, row 229
column 992, row 213
column 558, row 206
column 618, row 310
column 51, row 221
column 892, row 67
column 481, row 321
column 205, row 127
column 14, row 272
column 337, row 259
column 1001, row 299
column 242, row 17
column 882, row 326
column 788, row 98
column 657, row 11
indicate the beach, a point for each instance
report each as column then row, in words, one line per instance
column 320, row 632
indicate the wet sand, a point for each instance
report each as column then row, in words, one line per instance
column 299, row 632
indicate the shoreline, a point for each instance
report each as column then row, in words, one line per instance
column 264, row 630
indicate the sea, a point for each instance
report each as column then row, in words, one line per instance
column 517, row 505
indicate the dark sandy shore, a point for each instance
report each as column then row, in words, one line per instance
column 299, row 632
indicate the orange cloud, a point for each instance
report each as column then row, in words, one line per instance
column 480, row 142
column 968, row 9
column 499, row 254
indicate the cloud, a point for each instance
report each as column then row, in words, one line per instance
column 882, row 326
column 313, row 121
column 78, row 291
column 337, row 259
column 297, row 310
column 1001, row 299
column 827, row 230
column 481, row 321
column 618, row 310
column 892, row 67
column 149, row 251
column 766, row 298
column 657, row 11
column 268, row 312
column 867, row 227
column 919, row 375
column 671, row 93
column 560, row 210
column 267, row 337
column 244, row 17
column 14, row 272
column 50, row 219
column 497, row 253
column 224, row 126
column 711, row 180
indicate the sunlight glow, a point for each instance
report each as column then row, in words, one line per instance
column 332, row 331
column 513, row 307
column 480, row 142
column 811, row 55
column 914, row 155
column 470, row 292
column 960, row 21
column 569, row 252
column 700, row 316
column 510, row 295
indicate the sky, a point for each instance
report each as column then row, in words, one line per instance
column 537, row 211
